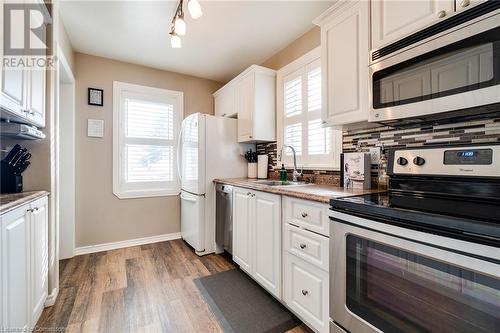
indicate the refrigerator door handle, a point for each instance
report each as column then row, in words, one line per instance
column 187, row 199
column 178, row 152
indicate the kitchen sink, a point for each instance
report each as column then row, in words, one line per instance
column 279, row 183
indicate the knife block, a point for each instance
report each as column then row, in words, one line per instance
column 9, row 182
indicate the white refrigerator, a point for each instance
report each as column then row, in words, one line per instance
column 208, row 148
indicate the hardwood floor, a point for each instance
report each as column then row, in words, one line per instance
column 146, row 288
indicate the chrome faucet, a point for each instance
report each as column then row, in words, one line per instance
column 296, row 173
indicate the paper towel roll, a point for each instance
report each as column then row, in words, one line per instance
column 262, row 163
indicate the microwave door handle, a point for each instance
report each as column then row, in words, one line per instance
column 179, row 173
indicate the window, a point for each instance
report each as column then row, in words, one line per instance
column 146, row 124
column 299, row 116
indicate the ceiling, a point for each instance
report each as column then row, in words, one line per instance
column 230, row 36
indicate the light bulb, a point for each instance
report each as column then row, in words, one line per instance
column 180, row 26
column 194, row 9
column 175, row 41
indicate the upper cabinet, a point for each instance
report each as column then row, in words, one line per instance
column 394, row 19
column 225, row 103
column 344, row 61
column 23, row 92
column 251, row 96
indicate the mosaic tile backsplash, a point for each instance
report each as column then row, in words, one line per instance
column 477, row 131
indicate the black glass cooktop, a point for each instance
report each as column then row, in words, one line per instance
column 457, row 216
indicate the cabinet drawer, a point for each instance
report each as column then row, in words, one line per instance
column 307, row 245
column 306, row 292
column 309, row 215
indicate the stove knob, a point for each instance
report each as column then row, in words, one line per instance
column 402, row 161
column 418, row 161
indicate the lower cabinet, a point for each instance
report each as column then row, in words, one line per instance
column 306, row 261
column 24, row 265
column 257, row 236
column 306, row 292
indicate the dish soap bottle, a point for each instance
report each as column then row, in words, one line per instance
column 282, row 173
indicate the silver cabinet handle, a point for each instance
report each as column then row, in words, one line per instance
column 441, row 13
column 464, row 3
column 29, row 210
column 253, row 195
column 303, row 246
column 304, row 215
column 249, row 193
column 35, row 209
column 305, row 292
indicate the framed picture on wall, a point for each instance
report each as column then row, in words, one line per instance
column 96, row 97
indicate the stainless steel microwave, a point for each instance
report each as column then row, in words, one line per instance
column 450, row 66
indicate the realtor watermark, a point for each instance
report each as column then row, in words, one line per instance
column 26, row 36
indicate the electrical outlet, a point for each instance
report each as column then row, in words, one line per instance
column 375, row 154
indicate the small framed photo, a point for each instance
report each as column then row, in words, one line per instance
column 96, row 97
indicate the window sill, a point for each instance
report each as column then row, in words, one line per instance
column 145, row 194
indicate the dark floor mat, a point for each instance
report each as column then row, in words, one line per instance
column 242, row 306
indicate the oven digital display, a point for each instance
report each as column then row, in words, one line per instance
column 469, row 156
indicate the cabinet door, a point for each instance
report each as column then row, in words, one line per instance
column 266, row 244
column 225, row 103
column 345, row 55
column 13, row 90
column 241, row 229
column 39, row 258
column 306, row 292
column 36, row 100
column 244, row 106
column 394, row 19
column 15, row 247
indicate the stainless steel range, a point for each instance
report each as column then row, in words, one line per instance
column 425, row 255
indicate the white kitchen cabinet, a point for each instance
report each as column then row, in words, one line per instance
column 306, row 292
column 251, row 96
column 267, row 241
column 16, row 269
column 242, row 228
column 39, row 257
column 392, row 20
column 306, row 260
column 257, row 236
column 344, row 62
column 24, row 264
column 23, row 91
column 224, row 101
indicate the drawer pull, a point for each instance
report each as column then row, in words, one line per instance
column 305, row 292
column 303, row 246
column 304, row 215
column 249, row 193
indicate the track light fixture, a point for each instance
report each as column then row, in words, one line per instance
column 178, row 26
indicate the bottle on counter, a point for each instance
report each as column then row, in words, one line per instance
column 283, row 174
column 383, row 178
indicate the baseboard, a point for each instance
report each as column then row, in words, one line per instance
column 51, row 298
column 126, row 243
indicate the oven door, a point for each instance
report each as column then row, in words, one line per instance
column 455, row 71
column 381, row 281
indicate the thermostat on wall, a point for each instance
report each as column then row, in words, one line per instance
column 95, row 128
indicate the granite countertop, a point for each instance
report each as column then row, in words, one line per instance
column 10, row 201
column 320, row 193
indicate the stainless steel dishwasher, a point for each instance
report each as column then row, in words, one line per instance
column 224, row 217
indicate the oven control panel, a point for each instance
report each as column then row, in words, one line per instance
column 477, row 161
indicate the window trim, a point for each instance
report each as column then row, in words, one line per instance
column 293, row 67
column 118, row 89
